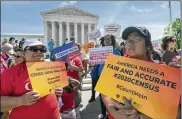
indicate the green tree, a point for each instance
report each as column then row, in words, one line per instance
column 176, row 26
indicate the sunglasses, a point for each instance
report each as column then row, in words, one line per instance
column 35, row 49
column 17, row 56
column 172, row 40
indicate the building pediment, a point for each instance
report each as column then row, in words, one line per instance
column 69, row 11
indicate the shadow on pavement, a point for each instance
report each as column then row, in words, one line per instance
column 92, row 110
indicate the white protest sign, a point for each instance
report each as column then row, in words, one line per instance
column 99, row 55
column 113, row 29
column 95, row 34
column 156, row 44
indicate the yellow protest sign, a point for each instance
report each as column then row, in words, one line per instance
column 85, row 47
column 46, row 76
column 154, row 88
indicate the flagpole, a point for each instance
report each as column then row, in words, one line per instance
column 171, row 30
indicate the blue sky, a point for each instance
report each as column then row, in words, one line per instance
column 24, row 17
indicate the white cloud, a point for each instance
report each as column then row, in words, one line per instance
column 176, row 14
column 117, row 10
column 66, row 3
column 14, row 2
column 165, row 5
column 134, row 9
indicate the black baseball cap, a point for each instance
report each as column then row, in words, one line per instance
column 141, row 30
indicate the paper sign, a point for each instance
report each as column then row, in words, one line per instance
column 85, row 47
column 99, row 55
column 66, row 52
column 95, row 34
column 156, row 44
column 154, row 88
column 113, row 29
column 46, row 76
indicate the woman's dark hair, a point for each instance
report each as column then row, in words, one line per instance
column 11, row 38
column 122, row 43
column 79, row 46
column 165, row 41
column 18, row 50
column 113, row 39
column 156, row 56
column 149, row 47
column 23, row 39
column 69, row 88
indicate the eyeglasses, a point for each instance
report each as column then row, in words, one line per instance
column 35, row 49
column 133, row 40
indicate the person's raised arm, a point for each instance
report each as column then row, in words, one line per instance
column 75, row 82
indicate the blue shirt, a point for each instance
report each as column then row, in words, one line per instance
column 94, row 72
column 51, row 46
column 101, row 66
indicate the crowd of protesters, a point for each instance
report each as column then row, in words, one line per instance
column 17, row 94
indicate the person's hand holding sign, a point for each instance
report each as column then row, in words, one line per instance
column 123, row 111
column 142, row 116
column 29, row 98
column 58, row 92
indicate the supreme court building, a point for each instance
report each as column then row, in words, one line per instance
column 68, row 22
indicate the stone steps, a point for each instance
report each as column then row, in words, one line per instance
column 87, row 83
column 86, row 87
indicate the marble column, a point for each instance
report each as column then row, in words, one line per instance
column 54, row 30
column 76, row 32
column 68, row 31
column 82, row 33
column 95, row 27
column 45, row 33
column 60, row 34
column 89, row 28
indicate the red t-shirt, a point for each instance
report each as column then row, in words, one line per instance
column 74, row 74
column 68, row 100
column 15, row 82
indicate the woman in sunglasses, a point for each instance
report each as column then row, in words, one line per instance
column 138, row 46
column 170, row 55
column 168, row 43
column 17, row 93
column 19, row 58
